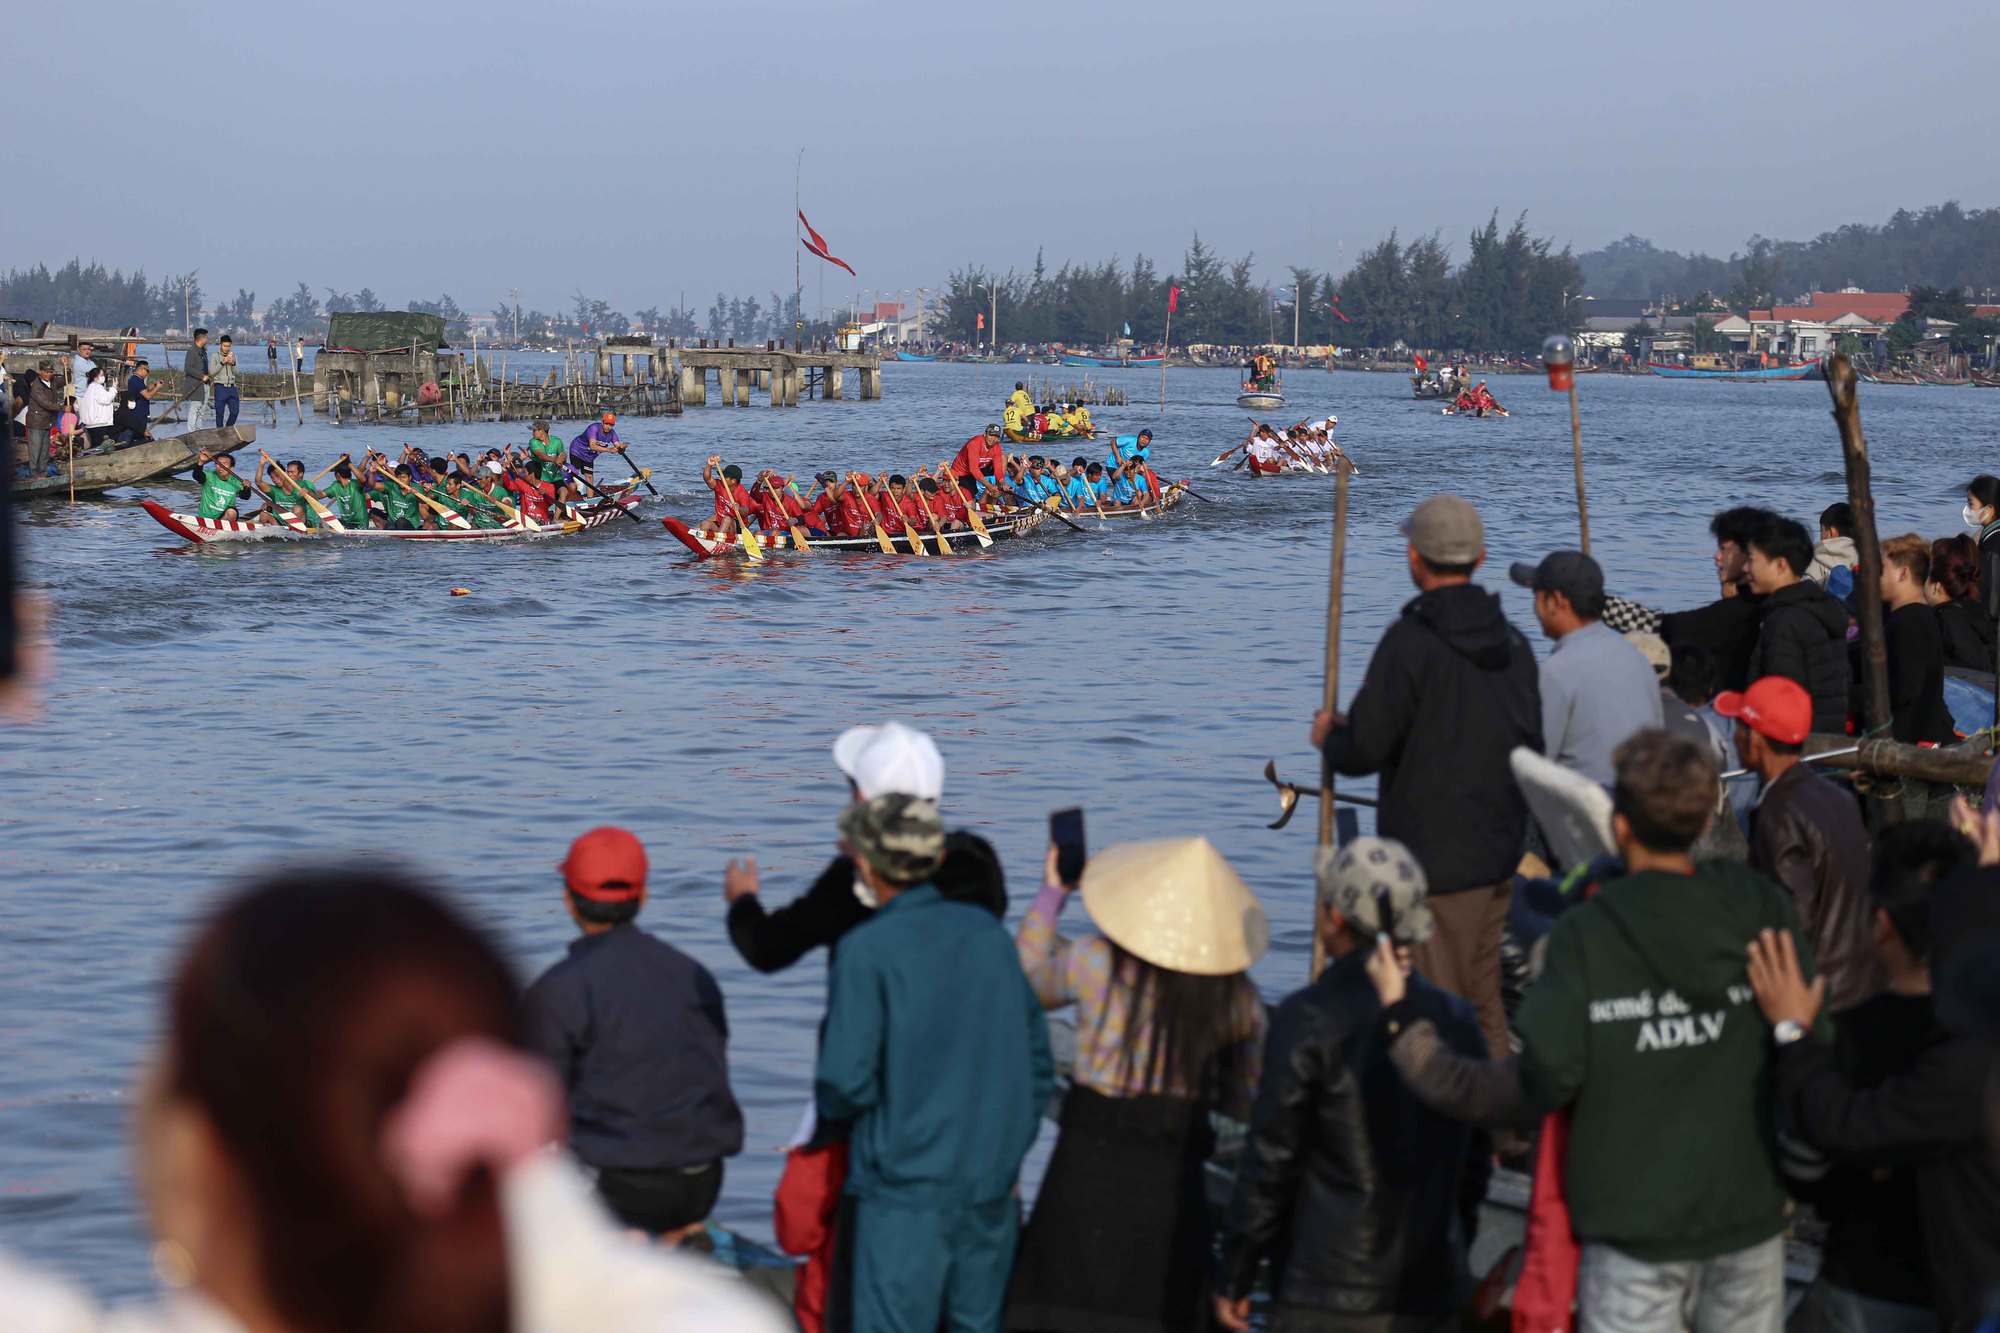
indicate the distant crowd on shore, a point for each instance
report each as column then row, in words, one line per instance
column 358, row 1121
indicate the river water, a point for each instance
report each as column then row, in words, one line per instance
column 214, row 711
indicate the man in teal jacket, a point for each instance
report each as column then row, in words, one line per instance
column 937, row 1050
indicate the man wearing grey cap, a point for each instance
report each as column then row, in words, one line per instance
column 1597, row 688
column 1349, row 1183
column 1448, row 695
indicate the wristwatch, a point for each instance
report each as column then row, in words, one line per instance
column 1787, row 1030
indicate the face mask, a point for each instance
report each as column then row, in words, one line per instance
column 1971, row 516
column 864, row 894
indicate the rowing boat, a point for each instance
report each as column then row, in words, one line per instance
column 1810, row 370
column 207, row 531
column 1110, row 362
column 1279, row 467
column 1015, row 523
column 130, row 464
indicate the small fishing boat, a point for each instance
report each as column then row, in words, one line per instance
column 1111, row 362
column 1811, row 370
column 912, row 356
column 1477, row 413
column 1262, row 399
column 208, row 531
column 130, row 464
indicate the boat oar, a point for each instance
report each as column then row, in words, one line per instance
column 577, row 476
column 642, row 476
column 326, row 515
column 450, row 516
column 1226, row 452
column 1195, row 493
column 1046, row 506
column 328, row 468
column 799, row 542
column 751, row 546
column 971, row 509
column 881, row 537
column 937, row 529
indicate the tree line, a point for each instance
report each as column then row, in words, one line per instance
column 1943, row 246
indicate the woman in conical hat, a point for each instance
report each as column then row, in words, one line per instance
column 1168, row 1029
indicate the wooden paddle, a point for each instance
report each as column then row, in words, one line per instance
column 577, row 476
column 328, row 468
column 326, row 516
column 751, row 546
column 1226, row 452
column 915, row 538
column 881, row 537
column 937, row 530
column 799, row 541
column 449, row 515
column 971, row 509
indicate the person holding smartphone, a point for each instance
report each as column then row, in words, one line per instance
column 1169, row 1028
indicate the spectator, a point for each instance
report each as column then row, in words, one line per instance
column 1596, row 688
column 1873, row 1271
column 81, row 364
column 43, row 409
column 1348, row 1184
column 1806, row 834
column 1670, row 1169
column 1954, row 592
column 271, row 354
column 1915, row 648
column 945, row 1095
column 227, row 401
column 1726, row 627
column 195, row 378
column 1449, row 693
column 877, row 761
column 1676, row 714
column 1836, row 543
column 1803, row 634
column 1933, row 1115
column 133, row 417
column 95, row 407
column 340, row 1135
column 636, row 1033
column 298, row 356
column 1169, row 1030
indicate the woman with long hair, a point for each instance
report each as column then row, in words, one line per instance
column 1953, row 591
column 1169, row 1029
column 342, row 1135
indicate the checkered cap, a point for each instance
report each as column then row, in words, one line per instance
column 1362, row 878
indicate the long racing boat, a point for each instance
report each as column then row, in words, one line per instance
column 1111, row 362
column 207, row 531
column 1811, row 370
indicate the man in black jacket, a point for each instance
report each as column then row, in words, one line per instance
column 1932, row 1116
column 1451, row 691
column 1348, row 1184
column 1915, row 648
column 1726, row 627
column 1803, row 634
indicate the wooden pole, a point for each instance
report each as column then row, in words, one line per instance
column 1166, row 350
column 1946, row 765
column 1330, row 699
column 1576, row 449
column 1840, row 381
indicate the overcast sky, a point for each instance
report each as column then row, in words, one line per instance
column 636, row 150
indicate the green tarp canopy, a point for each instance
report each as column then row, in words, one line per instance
column 382, row 331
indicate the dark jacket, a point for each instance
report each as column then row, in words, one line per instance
column 636, row 1032
column 773, row 941
column 194, row 370
column 1803, row 637
column 1968, row 633
column 1806, row 833
column 1348, row 1184
column 1451, row 690
column 1726, row 627
column 1915, row 648
column 44, row 406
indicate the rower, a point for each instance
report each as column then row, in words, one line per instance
column 286, row 491
column 221, row 490
column 597, row 438
column 1078, row 419
column 944, row 506
column 727, row 483
column 1128, row 483
column 347, row 498
column 1138, row 446
column 547, row 455
column 1016, row 418
column 980, row 462
column 1073, row 491
column 903, row 503
column 531, row 495
column 845, row 515
column 472, row 502
column 1037, row 482
column 1264, row 456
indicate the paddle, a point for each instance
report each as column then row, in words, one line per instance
column 1047, row 506
column 799, row 541
column 916, row 538
column 1232, row 449
column 1197, row 494
column 881, row 537
column 751, row 546
column 326, row 515
column 642, row 476
column 971, row 509
column 937, row 530
column 626, row 510
column 328, row 468
column 450, row 516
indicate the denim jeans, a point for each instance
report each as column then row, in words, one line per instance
column 227, row 404
column 1743, row 1292
column 193, row 406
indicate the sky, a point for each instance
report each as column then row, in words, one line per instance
column 635, row 151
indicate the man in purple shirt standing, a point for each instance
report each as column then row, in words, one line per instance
column 597, row 438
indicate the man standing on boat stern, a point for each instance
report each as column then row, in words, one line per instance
column 636, row 1032
column 1450, row 692
column 936, row 1048
column 194, row 379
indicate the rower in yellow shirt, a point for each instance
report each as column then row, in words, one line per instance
column 1079, row 421
column 1014, row 420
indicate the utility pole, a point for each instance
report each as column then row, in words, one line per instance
column 515, row 296
column 1297, row 297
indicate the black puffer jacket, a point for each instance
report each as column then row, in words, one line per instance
column 1348, row 1184
column 1804, row 638
column 1451, row 690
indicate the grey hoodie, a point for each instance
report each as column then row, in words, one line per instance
column 1831, row 554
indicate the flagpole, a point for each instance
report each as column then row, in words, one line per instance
column 1166, row 350
column 798, row 279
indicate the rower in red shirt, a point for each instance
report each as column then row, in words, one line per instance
column 981, row 462
column 531, row 497
column 905, row 501
column 724, row 521
column 948, row 508
column 847, row 517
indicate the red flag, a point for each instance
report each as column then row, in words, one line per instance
column 1173, row 299
column 1338, row 311
column 817, row 244
column 982, row 319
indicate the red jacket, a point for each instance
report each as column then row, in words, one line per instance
column 913, row 511
column 886, row 512
column 741, row 496
column 808, row 1198
column 946, row 506
column 848, row 518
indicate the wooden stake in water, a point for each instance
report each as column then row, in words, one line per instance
column 1559, row 359
column 1840, row 380
column 1331, row 695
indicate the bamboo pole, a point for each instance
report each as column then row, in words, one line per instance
column 1330, row 697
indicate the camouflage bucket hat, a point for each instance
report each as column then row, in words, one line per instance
column 901, row 836
column 1370, row 875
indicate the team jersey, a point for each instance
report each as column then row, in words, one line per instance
column 219, row 492
column 549, row 453
column 849, row 519
column 728, row 490
column 1124, row 449
column 1075, row 491
column 295, row 500
column 595, row 433
column 947, row 506
column 348, row 501
column 886, row 512
column 1014, row 419
column 979, row 457
column 400, row 506
column 531, row 499
column 1124, row 492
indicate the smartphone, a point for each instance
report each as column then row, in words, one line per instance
column 1066, row 833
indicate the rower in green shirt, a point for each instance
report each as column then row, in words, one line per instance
column 467, row 501
column 549, row 454
column 346, row 496
column 221, row 489
column 287, row 491
column 399, row 501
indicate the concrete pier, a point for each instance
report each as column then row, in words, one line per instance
column 778, row 372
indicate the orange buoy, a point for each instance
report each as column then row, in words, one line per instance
column 461, row 592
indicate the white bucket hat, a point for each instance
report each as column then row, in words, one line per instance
column 891, row 758
column 1177, row 904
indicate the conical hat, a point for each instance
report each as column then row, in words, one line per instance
column 1177, row 904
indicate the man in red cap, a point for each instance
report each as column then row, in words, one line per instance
column 1806, row 834
column 635, row 1030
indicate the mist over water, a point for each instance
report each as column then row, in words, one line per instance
column 215, row 711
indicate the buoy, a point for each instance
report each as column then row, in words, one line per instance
column 461, row 592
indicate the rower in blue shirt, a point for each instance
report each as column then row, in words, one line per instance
column 1123, row 492
column 1074, row 492
column 1037, row 484
column 1130, row 446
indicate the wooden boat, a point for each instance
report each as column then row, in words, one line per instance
column 1111, row 362
column 999, row 526
column 1262, row 399
column 1477, row 413
column 208, row 531
column 130, row 464
column 1421, row 388
column 912, row 356
column 1811, row 370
